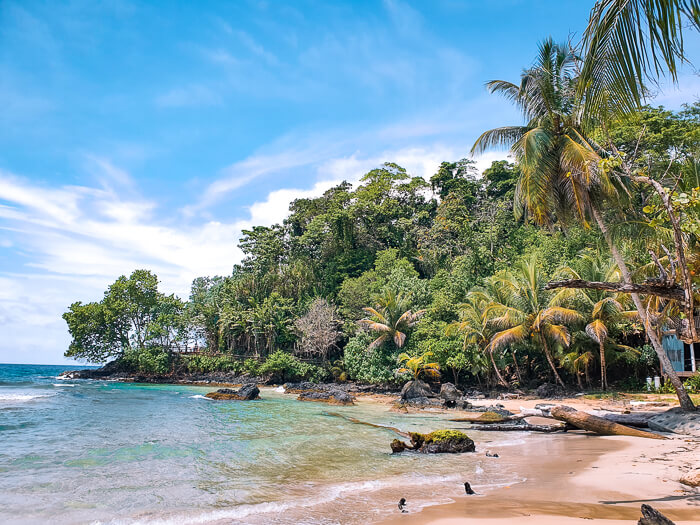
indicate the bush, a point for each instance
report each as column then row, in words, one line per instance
column 285, row 367
column 208, row 363
column 368, row 366
column 152, row 360
column 692, row 384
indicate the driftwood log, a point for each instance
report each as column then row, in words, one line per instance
column 597, row 424
column 651, row 516
column 512, row 427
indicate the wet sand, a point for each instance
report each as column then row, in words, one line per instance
column 577, row 478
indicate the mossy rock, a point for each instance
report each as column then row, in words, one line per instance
column 490, row 417
column 438, row 442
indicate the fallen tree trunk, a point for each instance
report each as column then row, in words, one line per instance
column 512, row 427
column 670, row 292
column 489, row 420
column 597, row 424
column 630, row 420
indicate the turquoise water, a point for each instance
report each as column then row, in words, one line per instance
column 86, row 451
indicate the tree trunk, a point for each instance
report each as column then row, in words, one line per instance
column 517, row 368
column 498, row 374
column 683, row 397
column 597, row 424
column 603, row 372
column 550, row 360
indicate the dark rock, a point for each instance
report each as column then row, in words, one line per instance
column 415, row 389
column 548, row 391
column 334, row 397
column 449, row 394
column 651, row 516
column 245, row 393
column 468, row 489
column 399, row 446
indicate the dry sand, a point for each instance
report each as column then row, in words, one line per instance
column 579, row 478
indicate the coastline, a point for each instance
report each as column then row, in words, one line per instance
column 580, row 477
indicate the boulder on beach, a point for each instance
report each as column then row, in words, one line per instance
column 417, row 392
column 332, row 396
column 437, row 442
column 548, row 391
column 449, row 394
column 245, row 393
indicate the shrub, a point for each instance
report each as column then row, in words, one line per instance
column 285, row 367
column 368, row 366
column 208, row 363
column 151, row 360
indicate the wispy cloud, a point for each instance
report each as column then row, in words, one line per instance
column 192, row 95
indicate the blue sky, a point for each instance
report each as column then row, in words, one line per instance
column 147, row 135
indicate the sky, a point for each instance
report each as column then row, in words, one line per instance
column 149, row 134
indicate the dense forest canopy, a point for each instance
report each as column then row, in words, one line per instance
column 440, row 269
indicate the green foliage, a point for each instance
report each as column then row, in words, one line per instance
column 202, row 363
column 285, row 367
column 365, row 365
column 151, row 360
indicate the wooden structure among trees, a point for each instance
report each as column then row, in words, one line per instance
column 684, row 355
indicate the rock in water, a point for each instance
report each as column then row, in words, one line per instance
column 449, row 394
column 334, row 397
column 399, row 446
column 245, row 393
column 402, row 505
column 442, row 442
column 468, row 489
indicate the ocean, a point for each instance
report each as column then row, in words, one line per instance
column 85, row 451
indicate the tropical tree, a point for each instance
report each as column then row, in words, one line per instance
column 526, row 312
column 604, row 310
column 627, row 45
column 473, row 325
column 418, row 366
column 562, row 173
column 391, row 318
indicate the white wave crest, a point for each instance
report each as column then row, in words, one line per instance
column 200, row 396
column 63, row 384
column 21, row 398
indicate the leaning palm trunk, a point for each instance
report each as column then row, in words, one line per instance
column 683, row 397
column 501, row 381
column 550, row 360
column 603, row 371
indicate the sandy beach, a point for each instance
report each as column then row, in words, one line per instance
column 577, row 477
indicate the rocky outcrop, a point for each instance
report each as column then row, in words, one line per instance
column 548, row 391
column 334, row 397
column 245, row 393
column 449, row 394
column 437, row 442
column 418, row 393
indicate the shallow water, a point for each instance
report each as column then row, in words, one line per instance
column 96, row 451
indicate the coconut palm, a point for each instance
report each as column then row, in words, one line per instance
column 629, row 44
column 603, row 308
column 528, row 313
column 561, row 174
column 392, row 319
column 474, row 327
column 418, row 366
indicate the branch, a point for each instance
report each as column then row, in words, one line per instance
column 670, row 292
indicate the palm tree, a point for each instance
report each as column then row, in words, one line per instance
column 604, row 310
column 627, row 45
column 418, row 365
column 392, row 319
column 528, row 313
column 474, row 327
column 560, row 175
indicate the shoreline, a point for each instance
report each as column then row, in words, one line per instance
column 604, row 479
